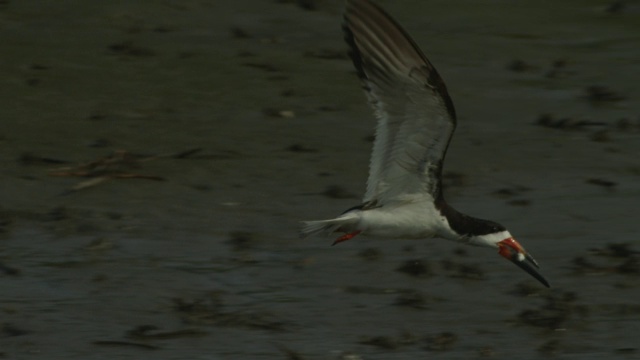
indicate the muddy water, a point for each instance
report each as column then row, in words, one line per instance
column 206, row 264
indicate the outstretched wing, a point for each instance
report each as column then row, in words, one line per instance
column 415, row 114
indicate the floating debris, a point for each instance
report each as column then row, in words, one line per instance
column 31, row 159
column 327, row 54
column 290, row 354
column 558, row 69
column 278, row 77
column 338, row 192
column 117, row 165
column 346, row 355
column 441, row 342
column 548, row 121
column 630, row 266
column 616, row 7
column 370, row 254
column 626, row 124
column 10, row 330
column 598, row 94
column 99, row 143
column 148, row 332
column 486, row 352
column 309, row 5
column 461, row 270
column 32, row 81
column 210, row 311
column 280, row 113
column 299, row 148
column 390, row 342
column 328, row 108
column 5, row 222
column 504, row 193
column 245, row 53
column 551, row 347
column 262, row 66
column 518, row 65
column 126, row 343
column 239, row 33
column 526, row 288
column 509, row 193
column 57, row 213
column 371, row 290
column 616, row 250
column 99, row 245
column 626, row 351
column 241, row 240
column 608, row 184
column 558, row 309
column 114, row 166
column 129, row 49
column 163, row 29
column 9, row 270
column 416, row 268
column 39, row 67
column 583, row 265
column 411, row 298
column 185, row 154
column 458, row 251
column 600, row 136
column 383, row 342
column 519, row 202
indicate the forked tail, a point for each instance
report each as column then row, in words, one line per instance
column 326, row 227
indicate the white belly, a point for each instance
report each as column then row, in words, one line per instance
column 408, row 220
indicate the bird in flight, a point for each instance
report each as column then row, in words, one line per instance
column 416, row 120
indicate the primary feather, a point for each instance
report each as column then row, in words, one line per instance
column 416, row 117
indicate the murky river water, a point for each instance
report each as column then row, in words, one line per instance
column 197, row 255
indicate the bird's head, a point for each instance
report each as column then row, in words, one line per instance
column 511, row 250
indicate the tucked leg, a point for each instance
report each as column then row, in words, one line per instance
column 345, row 237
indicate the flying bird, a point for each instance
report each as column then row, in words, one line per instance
column 416, row 120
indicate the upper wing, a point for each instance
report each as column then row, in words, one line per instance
column 415, row 114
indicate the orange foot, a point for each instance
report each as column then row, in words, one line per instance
column 346, row 237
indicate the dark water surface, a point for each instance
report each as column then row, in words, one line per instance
column 206, row 264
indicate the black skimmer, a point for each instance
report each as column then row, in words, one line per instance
column 416, row 120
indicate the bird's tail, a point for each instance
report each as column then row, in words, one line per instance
column 326, row 227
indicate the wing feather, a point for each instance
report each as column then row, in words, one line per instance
column 416, row 117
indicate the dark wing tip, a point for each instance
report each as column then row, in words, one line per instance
column 385, row 44
column 354, row 52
